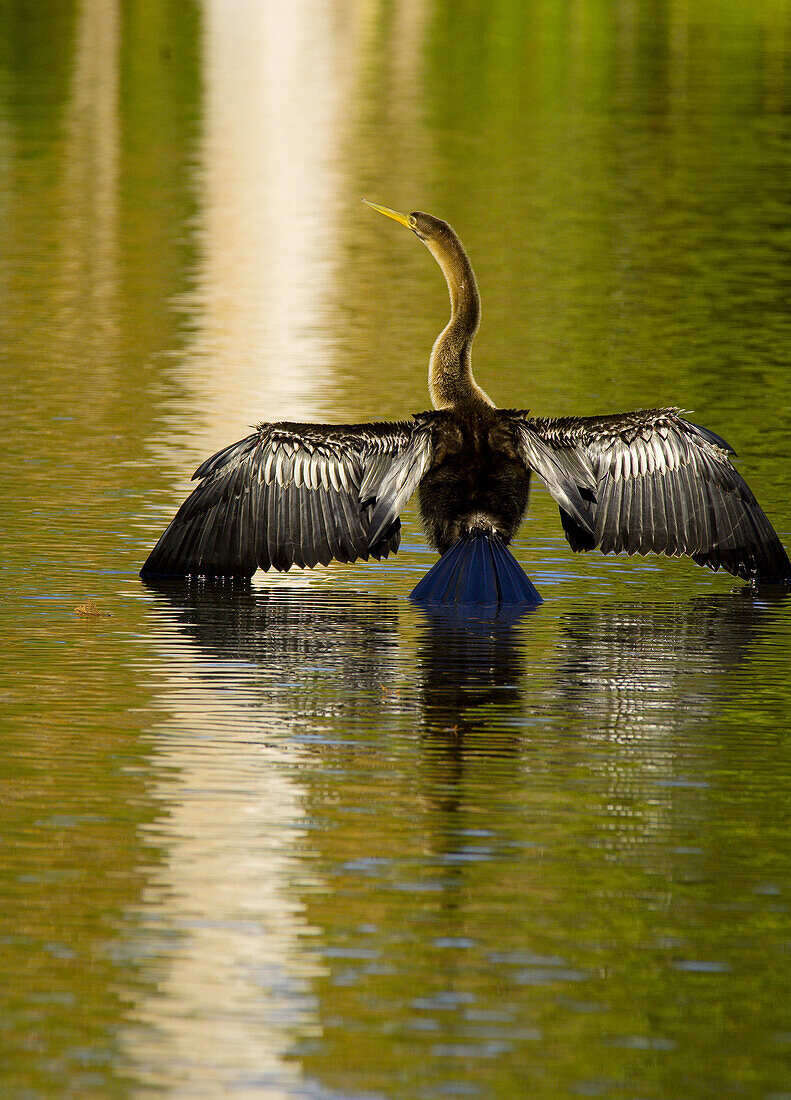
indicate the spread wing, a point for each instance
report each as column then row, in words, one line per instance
column 295, row 494
column 665, row 486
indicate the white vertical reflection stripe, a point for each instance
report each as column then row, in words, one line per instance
column 234, row 991
column 267, row 226
column 236, row 980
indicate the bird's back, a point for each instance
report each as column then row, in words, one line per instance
column 476, row 481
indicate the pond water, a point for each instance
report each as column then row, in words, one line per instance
column 298, row 838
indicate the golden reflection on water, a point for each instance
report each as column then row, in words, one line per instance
column 90, row 185
column 517, row 838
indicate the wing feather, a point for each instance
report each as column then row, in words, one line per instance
column 398, row 481
column 294, row 494
column 665, row 485
column 608, row 517
column 566, row 474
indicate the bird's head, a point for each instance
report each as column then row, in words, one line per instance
column 425, row 226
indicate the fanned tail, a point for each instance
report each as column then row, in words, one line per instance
column 479, row 570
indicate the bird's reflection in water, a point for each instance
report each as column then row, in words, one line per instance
column 640, row 697
column 646, row 679
column 627, row 694
column 634, row 667
column 292, row 638
column 469, row 670
column 620, row 670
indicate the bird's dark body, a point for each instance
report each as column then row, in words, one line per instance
column 642, row 482
column 477, row 482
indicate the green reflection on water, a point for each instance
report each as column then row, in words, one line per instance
column 258, row 840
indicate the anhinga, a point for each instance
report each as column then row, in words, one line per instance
column 637, row 482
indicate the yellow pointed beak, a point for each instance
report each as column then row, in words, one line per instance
column 403, row 219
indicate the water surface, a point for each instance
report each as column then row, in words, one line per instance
column 297, row 838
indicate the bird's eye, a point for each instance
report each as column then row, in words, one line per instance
column 412, row 221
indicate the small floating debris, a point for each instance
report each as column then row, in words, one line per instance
column 90, row 610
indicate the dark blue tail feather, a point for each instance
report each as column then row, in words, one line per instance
column 478, row 570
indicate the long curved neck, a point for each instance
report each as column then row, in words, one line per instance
column 450, row 377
